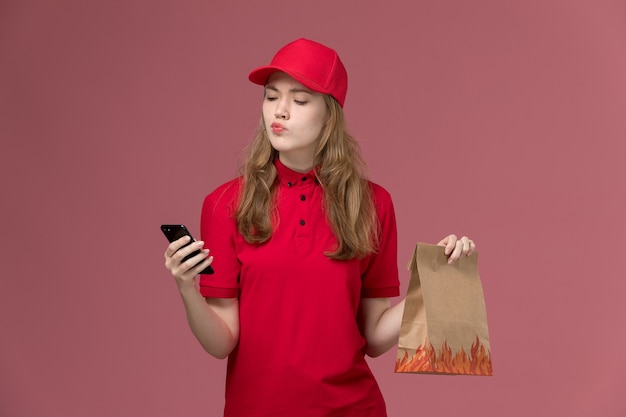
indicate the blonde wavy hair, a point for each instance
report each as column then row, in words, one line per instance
column 340, row 169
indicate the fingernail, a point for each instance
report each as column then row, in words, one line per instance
column 199, row 243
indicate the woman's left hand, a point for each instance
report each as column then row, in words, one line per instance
column 455, row 248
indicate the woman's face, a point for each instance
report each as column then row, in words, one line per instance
column 294, row 118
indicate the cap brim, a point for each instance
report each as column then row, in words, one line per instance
column 260, row 76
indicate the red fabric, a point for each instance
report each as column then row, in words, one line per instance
column 300, row 350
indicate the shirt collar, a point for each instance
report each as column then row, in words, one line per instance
column 290, row 178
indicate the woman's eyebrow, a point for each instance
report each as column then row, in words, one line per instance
column 292, row 90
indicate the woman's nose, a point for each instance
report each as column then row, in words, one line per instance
column 281, row 111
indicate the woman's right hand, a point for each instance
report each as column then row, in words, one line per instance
column 185, row 272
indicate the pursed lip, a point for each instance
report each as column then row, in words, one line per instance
column 277, row 127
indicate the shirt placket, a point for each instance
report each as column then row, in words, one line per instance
column 304, row 194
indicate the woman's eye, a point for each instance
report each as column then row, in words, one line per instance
column 268, row 98
column 300, row 103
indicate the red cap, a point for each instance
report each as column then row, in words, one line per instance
column 312, row 64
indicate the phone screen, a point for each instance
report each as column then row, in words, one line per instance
column 174, row 232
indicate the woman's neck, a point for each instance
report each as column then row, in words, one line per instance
column 304, row 164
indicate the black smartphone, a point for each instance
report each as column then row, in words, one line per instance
column 174, row 232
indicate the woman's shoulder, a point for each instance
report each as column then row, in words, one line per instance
column 379, row 193
column 230, row 186
column 227, row 193
column 385, row 211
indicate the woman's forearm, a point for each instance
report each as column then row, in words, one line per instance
column 382, row 324
column 214, row 322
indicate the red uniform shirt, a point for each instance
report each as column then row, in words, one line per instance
column 300, row 350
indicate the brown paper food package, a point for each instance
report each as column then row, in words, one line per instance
column 444, row 325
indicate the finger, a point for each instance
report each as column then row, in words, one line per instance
column 177, row 263
column 456, row 252
column 450, row 244
column 202, row 265
column 187, row 250
column 176, row 245
column 472, row 247
column 191, row 267
column 190, row 263
column 466, row 245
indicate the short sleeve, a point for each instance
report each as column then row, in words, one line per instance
column 380, row 270
column 218, row 230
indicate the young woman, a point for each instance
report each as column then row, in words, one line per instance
column 305, row 255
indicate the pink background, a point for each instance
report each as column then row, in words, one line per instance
column 501, row 120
